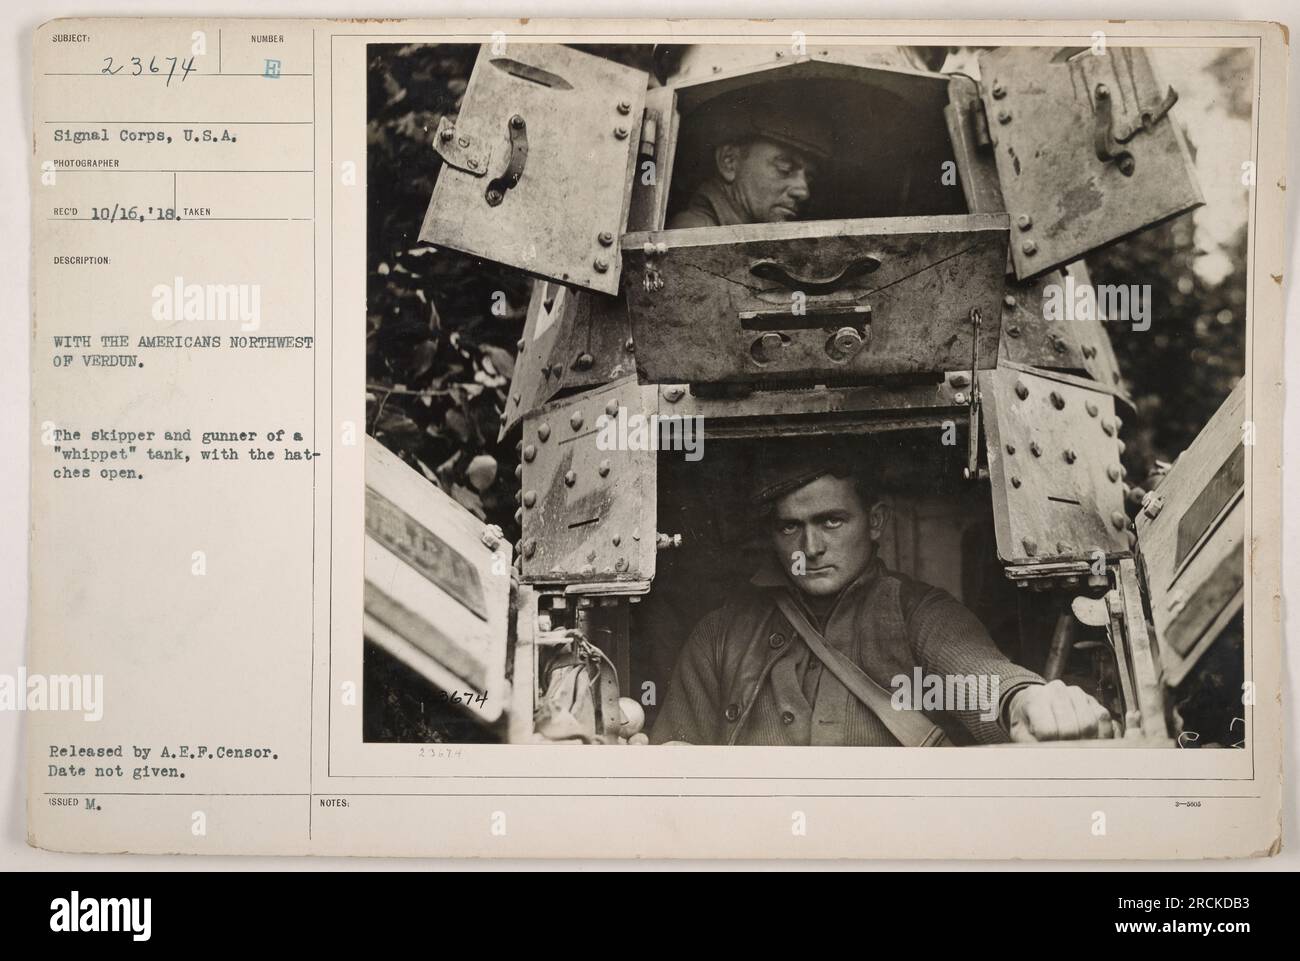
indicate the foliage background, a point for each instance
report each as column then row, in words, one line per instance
column 439, row 360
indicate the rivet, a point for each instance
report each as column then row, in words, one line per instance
column 603, row 469
column 529, row 453
column 1011, row 448
column 612, row 408
column 624, row 107
column 518, row 497
column 463, row 141
column 616, row 540
column 673, row 394
column 1008, row 301
column 999, row 91
column 1004, row 116
column 1029, row 247
column 606, row 238
column 447, row 134
column 519, row 516
column 472, row 164
column 1015, row 481
column 620, row 133
column 530, row 547
column 1013, row 330
column 519, row 344
column 1062, row 547
column 570, row 478
column 1030, row 545
column 1024, row 221
column 1034, row 449
column 1057, row 400
column 959, row 380
column 601, row 265
column 584, row 362
column 519, row 471
column 516, row 121
column 591, row 557
column 1059, row 344
column 1021, row 390
column 530, row 498
column 1112, row 472
column 959, row 397
column 1108, row 427
column 1120, row 446
column 1119, row 520
column 629, row 346
column 514, row 398
column 620, row 565
column 1070, row 456
column 575, row 419
column 1090, row 407
column 494, row 196
column 543, row 432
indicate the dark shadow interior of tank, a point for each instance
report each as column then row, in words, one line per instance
column 888, row 157
column 940, row 532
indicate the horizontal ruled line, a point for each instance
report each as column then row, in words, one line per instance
column 193, row 123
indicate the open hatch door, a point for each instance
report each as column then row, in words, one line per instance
column 537, row 168
column 437, row 596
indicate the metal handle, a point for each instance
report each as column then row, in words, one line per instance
column 518, row 132
column 825, row 284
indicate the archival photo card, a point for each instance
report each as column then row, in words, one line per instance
column 420, row 406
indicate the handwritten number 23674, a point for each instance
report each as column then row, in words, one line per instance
column 156, row 64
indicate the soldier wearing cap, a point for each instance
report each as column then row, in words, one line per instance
column 766, row 152
column 747, row 675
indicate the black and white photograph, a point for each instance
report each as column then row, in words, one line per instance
column 807, row 395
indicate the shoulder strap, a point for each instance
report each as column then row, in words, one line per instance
column 911, row 728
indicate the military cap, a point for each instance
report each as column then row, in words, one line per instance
column 772, row 111
column 782, row 467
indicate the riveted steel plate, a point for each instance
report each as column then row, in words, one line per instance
column 1054, row 467
column 581, row 118
column 572, row 339
column 818, row 300
column 1041, row 105
column 589, row 487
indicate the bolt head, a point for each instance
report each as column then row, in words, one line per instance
column 620, row 133
column 447, row 133
column 601, row 265
column 543, row 432
column 584, row 362
column 1112, row 474
column 1024, row 221
column 605, row 238
column 530, row 498
column 959, row 380
column 1008, row 301
column 570, row 478
column 624, row 107
column 1004, row 116
column 999, row 91
column 516, row 121
column 575, row 419
column 1091, row 408
column 1029, row 247
column 603, row 469
column 673, row 394
column 529, row 453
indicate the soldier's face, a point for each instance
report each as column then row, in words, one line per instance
column 769, row 182
column 823, row 534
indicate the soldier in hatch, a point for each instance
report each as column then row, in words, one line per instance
column 812, row 650
column 765, row 156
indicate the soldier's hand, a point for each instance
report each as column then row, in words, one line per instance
column 1058, row 712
